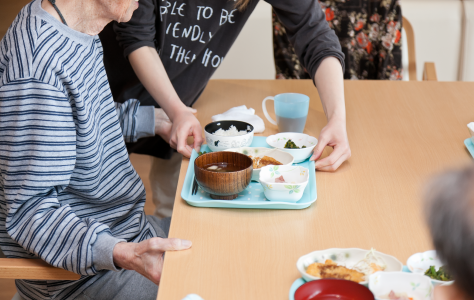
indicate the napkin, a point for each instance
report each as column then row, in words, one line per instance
column 242, row 113
column 192, row 297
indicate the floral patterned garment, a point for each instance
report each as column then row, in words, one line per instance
column 370, row 37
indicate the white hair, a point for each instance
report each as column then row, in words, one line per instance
column 449, row 211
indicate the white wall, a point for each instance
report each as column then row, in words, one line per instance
column 467, row 67
column 251, row 56
column 437, row 25
column 442, row 36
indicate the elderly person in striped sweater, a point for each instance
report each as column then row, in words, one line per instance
column 68, row 193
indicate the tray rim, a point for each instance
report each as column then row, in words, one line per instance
column 470, row 146
column 234, row 204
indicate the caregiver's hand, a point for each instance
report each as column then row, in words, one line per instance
column 146, row 257
column 185, row 124
column 163, row 125
column 333, row 135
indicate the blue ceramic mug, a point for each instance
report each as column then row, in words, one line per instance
column 291, row 110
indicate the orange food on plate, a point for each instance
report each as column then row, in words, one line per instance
column 375, row 268
column 260, row 162
column 330, row 269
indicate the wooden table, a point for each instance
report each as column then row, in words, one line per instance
column 400, row 133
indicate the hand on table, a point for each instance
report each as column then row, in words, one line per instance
column 334, row 135
column 146, row 257
column 176, row 132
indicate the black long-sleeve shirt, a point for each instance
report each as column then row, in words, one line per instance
column 193, row 37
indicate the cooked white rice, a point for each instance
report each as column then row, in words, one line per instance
column 232, row 131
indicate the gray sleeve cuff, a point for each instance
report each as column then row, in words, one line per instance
column 102, row 252
column 145, row 121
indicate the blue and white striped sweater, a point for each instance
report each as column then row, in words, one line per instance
column 68, row 192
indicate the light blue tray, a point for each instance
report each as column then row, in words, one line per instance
column 300, row 281
column 252, row 196
column 470, row 146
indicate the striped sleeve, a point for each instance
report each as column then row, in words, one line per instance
column 136, row 121
column 37, row 159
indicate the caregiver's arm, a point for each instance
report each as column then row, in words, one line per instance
column 137, row 39
column 329, row 81
column 319, row 50
column 149, row 69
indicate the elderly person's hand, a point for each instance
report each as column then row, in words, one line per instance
column 146, row 257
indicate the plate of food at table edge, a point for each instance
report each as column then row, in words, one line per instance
column 357, row 274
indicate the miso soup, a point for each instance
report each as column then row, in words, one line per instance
column 222, row 167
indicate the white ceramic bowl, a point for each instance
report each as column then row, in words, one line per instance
column 285, row 158
column 300, row 139
column 416, row 286
column 296, row 178
column 347, row 257
column 221, row 143
column 418, row 263
column 471, row 130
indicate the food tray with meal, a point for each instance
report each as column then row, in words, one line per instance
column 381, row 274
column 470, row 146
column 253, row 196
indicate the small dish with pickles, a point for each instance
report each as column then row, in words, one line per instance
column 299, row 145
column 427, row 263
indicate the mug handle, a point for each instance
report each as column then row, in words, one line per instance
column 265, row 112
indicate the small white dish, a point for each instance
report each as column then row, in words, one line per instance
column 345, row 257
column 415, row 286
column 296, row 178
column 221, row 143
column 300, row 139
column 418, row 263
column 286, row 159
column 471, row 130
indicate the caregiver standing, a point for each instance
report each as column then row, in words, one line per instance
column 174, row 47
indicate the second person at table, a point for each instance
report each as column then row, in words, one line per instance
column 174, row 47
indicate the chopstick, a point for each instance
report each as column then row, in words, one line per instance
column 195, row 187
column 195, row 184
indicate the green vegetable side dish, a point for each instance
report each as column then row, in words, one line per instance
column 201, row 153
column 291, row 145
column 441, row 274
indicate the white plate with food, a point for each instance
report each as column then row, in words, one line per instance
column 351, row 264
column 427, row 263
column 299, row 145
column 263, row 157
column 400, row 285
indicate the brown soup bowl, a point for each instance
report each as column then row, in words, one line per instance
column 223, row 185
